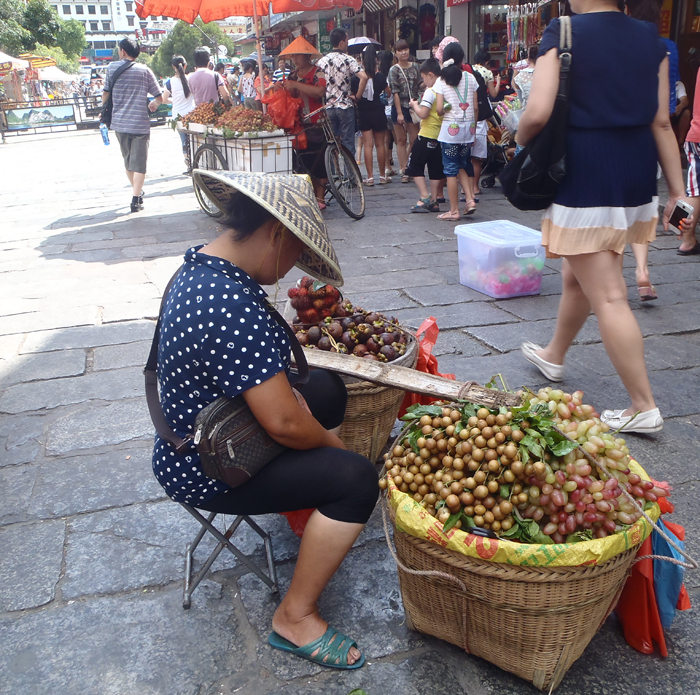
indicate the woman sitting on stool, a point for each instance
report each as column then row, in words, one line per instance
column 218, row 338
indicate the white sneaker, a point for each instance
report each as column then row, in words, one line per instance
column 650, row 421
column 553, row 372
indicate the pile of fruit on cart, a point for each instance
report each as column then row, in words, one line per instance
column 325, row 321
column 233, row 120
column 520, row 473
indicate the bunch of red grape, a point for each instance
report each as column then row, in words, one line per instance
column 513, row 472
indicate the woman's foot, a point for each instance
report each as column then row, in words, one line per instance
column 689, row 250
column 647, row 293
column 369, row 181
column 536, row 355
column 450, row 216
column 301, row 631
column 470, row 209
column 631, row 420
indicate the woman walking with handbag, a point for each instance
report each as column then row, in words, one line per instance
column 217, row 339
column 607, row 198
column 405, row 84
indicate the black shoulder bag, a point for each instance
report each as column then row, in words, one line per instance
column 482, row 98
column 531, row 179
column 108, row 106
column 232, row 444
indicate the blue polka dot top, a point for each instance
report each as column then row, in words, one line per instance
column 216, row 339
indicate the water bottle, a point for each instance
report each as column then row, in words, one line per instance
column 105, row 133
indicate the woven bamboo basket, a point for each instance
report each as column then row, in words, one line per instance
column 532, row 621
column 371, row 411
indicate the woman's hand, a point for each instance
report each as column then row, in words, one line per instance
column 668, row 210
column 399, row 118
column 278, row 408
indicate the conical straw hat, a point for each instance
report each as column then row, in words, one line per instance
column 300, row 45
column 290, row 198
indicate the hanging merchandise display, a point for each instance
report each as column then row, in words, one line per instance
column 523, row 27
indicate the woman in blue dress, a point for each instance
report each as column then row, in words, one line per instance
column 618, row 128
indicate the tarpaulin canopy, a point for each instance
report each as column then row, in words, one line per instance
column 55, row 74
column 37, row 61
column 7, row 62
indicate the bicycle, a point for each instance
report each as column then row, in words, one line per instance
column 342, row 172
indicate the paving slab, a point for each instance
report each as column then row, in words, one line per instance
column 91, row 482
column 509, row 337
column 124, row 355
column 457, row 316
column 30, row 564
column 143, row 643
column 38, row 321
column 113, row 385
column 16, row 487
column 41, row 366
column 88, row 336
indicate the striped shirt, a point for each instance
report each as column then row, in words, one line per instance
column 280, row 74
column 130, row 97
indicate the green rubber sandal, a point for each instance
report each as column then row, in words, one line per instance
column 338, row 650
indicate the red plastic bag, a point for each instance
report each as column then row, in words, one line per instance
column 298, row 519
column 283, row 108
column 427, row 362
column 637, row 609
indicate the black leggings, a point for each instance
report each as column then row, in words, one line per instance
column 342, row 485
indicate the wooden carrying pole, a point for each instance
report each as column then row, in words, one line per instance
column 388, row 374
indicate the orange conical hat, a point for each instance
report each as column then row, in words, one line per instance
column 300, row 45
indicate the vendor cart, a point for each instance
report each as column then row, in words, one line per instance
column 208, row 148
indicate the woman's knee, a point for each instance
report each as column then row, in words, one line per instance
column 356, row 478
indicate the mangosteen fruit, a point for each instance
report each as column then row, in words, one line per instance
column 335, row 330
column 314, row 334
column 359, row 351
column 373, row 345
column 324, row 343
column 389, row 351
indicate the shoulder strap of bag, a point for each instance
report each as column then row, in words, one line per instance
column 118, row 72
column 565, row 45
column 151, row 375
column 408, row 84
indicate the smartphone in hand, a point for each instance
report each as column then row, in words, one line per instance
column 681, row 212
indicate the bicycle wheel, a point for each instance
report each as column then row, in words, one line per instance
column 345, row 180
column 209, row 158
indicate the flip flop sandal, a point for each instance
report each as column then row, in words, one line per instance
column 369, row 182
column 449, row 217
column 335, row 651
column 470, row 210
column 440, row 200
column 384, row 179
column 647, row 293
column 405, row 178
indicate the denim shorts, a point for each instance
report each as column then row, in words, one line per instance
column 406, row 114
column 456, row 157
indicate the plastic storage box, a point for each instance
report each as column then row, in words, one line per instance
column 500, row 258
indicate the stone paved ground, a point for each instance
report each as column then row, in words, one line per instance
column 91, row 551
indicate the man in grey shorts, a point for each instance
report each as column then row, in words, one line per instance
column 130, row 121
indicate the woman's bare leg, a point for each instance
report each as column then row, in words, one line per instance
column 401, row 140
column 453, row 194
column 574, row 309
column 297, row 618
column 379, row 142
column 367, row 141
column 600, row 277
column 641, row 254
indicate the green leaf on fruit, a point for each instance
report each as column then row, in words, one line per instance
column 580, row 536
column 449, row 524
column 504, row 492
column 541, row 538
column 440, row 505
column 413, row 438
column 418, row 411
column 524, row 453
column 459, row 426
column 318, row 284
column 513, row 533
column 563, row 448
column 469, row 410
column 470, row 523
column 530, row 443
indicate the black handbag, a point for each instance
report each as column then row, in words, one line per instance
column 108, row 106
column 531, row 179
column 232, row 444
column 482, row 98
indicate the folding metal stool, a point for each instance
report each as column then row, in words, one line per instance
column 224, row 542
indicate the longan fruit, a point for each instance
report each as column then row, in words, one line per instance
column 482, row 413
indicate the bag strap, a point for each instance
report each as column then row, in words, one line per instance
column 155, row 408
column 565, row 45
column 118, row 72
column 408, row 84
